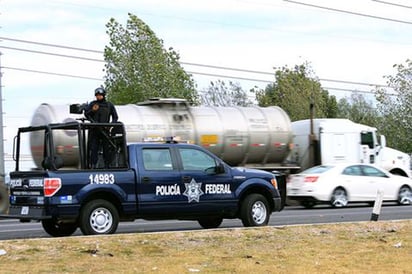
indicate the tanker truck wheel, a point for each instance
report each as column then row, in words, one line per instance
column 56, row 229
column 98, row 217
column 255, row 210
column 4, row 198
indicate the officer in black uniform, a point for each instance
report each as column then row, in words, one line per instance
column 100, row 111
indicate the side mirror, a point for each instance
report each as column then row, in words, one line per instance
column 383, row 141
column 220, row 168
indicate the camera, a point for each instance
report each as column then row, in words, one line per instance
column 77, row 108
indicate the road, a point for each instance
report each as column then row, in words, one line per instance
column 291, row 215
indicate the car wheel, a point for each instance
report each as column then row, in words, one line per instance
column 405, row 196
column 210, row 222
column 308, row 204
column 339, row 198
column 99, row 217
column 255, row 210
column 56, row 229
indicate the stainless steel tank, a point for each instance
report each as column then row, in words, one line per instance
column 246, row 136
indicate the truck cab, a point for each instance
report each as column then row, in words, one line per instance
column 333, row 141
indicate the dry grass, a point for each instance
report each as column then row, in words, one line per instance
column 370, row 247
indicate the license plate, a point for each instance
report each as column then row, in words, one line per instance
column 24, row 210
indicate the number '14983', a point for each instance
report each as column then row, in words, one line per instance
column 102, row 178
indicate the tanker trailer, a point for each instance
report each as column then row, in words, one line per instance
column 258, row 137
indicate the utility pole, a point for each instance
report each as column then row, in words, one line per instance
column 2, row 158
column 4, row 194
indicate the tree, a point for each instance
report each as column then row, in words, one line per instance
column 219, row 94
column 295, row 90
column 138, row 67
column 358, row 109
column 396, row 108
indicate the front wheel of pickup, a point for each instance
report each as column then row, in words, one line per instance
column 56, row 229
column 98, row 217
column 255, row 210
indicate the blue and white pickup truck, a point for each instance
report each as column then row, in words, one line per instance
column 148, row 180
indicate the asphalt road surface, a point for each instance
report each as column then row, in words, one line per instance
column 291, row 215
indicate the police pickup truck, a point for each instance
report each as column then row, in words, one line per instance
column 148, row 180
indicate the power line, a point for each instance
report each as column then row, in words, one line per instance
column 183, row 63
column 269, row 82
column 356, row 90
column 198, row 73
column 228, row 76
column 53, row 54
column 272, row 74
column 393, row 4
column 350, row 12
column 49, row 45
column 52, row 73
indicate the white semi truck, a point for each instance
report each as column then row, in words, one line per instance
column 322, row 141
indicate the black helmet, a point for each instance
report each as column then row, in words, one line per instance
column 100, row 90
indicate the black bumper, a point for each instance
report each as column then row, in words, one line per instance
column 26, row 213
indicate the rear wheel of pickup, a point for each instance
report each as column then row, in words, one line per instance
column 56, row 229
column 98, row 217
column 210, row 222
column 255, row 210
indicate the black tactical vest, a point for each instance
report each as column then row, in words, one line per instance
column 102, row 115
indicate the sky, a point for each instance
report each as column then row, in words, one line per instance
column 355, row 41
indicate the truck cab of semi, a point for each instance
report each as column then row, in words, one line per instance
column 341, row 141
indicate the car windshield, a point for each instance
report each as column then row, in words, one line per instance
column 317, row 169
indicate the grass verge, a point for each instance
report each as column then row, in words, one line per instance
column 368, row 247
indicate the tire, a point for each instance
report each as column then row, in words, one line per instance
column 308, row 204
column 255, row 211
column 98, row 217
column 4, row 198
column 56, row 229
column 405, row 196
column 210, row 222
column 339, row 198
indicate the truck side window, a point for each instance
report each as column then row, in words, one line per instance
column 367, row 139
column 193, row 159
column 157, row 159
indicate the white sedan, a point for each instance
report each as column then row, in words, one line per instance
column 343, row 183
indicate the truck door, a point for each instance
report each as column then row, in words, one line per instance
column 205, row 186
column 160, row 189
column 368, row 153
